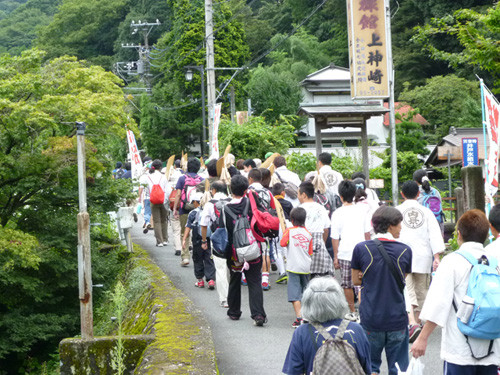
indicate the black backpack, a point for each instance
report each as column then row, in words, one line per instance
column 329, row 204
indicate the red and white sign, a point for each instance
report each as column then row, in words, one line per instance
column 214, row 152
column 135, row 158
column 491, row 116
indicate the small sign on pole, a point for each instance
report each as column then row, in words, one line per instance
column 470, row 152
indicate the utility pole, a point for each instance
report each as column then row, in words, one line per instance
column 84, row 260
column 209, row 40
column 392, row 119
column 141, row 67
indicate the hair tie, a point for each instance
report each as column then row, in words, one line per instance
column 319, row 291
column 360, row 186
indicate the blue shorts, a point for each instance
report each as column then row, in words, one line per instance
column 296, row 284
column 452, row 369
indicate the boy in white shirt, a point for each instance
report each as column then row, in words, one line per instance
column 350, row 226
column 298, row 242
column 317, row 223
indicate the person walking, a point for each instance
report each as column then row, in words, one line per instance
column 158, row 210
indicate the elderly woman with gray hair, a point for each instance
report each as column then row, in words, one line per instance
column 323, row 304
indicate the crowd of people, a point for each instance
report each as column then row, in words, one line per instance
column 238, row 220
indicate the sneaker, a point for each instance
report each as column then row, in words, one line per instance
column 165, row 243
column 233, row 317
column 136, row 219
column 352, row 316
column 265, row 286
column 259, row 321
column 414, row 331
column 159, row 245
column 211, row 284
column 297, row 322
column 224, row 304
column 178, row 253
column 200, row 284
column 274, row 267
column 244, row 282
column 283, row 278
column 185, row 263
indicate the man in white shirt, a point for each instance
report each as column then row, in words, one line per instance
column 450, row 285
column 330, row 177
column 290, row 179
column 350, row 226
column 421, row 232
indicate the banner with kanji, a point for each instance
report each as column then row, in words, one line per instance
column 491, row 112
column 135, row 158
column 368, row 63
column 214, row 152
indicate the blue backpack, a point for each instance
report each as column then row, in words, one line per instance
column 484, row 287
column 433, row 202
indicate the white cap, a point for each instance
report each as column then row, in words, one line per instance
column 196, row 196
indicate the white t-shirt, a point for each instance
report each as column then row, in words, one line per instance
column 349, row 225
column 330, row 178
column 298, row 242
column 450, row 283
column 143, row 180
column 494, row 249
column 317, row 217
column 421, row 232
column 158, row 178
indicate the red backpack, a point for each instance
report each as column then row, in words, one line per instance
column 156, row 195
column 265, row 222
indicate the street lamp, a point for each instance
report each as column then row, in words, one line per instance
column 189, row 78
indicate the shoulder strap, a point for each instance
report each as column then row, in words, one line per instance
column 279, row 177
column 472, row 260
column 231, row 213
column 341, row 330
column 311, row 333
column 245, row 210
column 390, row 264
column 323, row 331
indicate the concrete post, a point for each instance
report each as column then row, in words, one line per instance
column 473, row 183
column 317, row 129
column 364, row 149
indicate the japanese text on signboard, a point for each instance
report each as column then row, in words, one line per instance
column 470, row 152
column 367, row 49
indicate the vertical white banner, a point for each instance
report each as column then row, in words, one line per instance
column 491, row 115
column 135, row 158
column 214, row 152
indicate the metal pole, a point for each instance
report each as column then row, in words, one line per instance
column 233, row 105
column 209, row 35
column 392, row 121
column 84, row 259
column 203, row 111
column 449, row 174
column 364, row 150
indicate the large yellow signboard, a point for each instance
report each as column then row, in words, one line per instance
column 368, row 61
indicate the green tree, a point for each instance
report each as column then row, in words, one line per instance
column 476, row 33
column 446, row 101
column 40, row 103
column 173, row 119
column 409, row 134
column 257, row 137
column 86, row 29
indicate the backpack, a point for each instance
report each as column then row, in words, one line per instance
column 218, row 209
column 119, row 173
column 156, row 195
column 329, row 205
column 433, row 202
column 190, row 184
column 291, row 190
column 336, row 356
column 265, row 221
column 246, row 247
column 484, row 288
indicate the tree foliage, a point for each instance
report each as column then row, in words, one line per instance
column 256, row 137
column 477, row 34
column 446, row 101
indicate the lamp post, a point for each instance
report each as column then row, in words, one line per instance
column 189, row 78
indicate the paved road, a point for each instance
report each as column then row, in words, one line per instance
column 242, row 348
